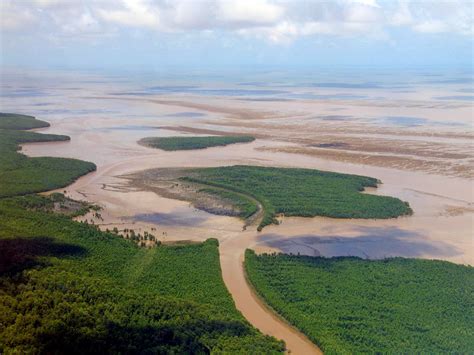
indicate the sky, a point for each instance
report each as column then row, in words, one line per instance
column 153, row 34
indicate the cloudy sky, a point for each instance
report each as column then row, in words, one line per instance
column 235, row 33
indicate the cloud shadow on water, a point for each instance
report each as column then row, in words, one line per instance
column 369, row 242
column 178, row 217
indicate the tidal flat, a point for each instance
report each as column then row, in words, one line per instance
column 429, row 165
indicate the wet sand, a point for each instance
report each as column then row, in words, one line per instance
column 440, row 194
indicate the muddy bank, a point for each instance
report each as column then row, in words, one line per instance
column 167, row 182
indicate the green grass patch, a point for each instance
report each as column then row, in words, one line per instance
column 349, row 305
column 20, row 174
column 188, row 143
column 302, row 192
column 67, row 287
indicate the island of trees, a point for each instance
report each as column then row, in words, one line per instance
column 189, row 143
column 297, row 192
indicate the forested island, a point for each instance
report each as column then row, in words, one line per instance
column 190, row 143
column 297, row 192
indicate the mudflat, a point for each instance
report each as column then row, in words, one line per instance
column 420, row 147
column 427, row 165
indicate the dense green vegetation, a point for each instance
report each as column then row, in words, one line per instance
column 302, row 192
column 66, row 287
column 16, row 121
column 350, row 305
column 20, row 174
column 187, row 143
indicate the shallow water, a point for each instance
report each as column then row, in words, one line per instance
column 186, row 114
column 416, row 121
column 456, row 97
column 164, row 90
column 180, row 216
column 366, row 242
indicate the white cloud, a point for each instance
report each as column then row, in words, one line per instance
column 193, row 15
column 433, row 26
column 372, row 3
column 135, row 13
column 83, row 24
column 46, row 3
column 279, row 21
column 13, row 17
column 430, row 17
column 249, row 13
column 363, row 13
column 402, row 16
